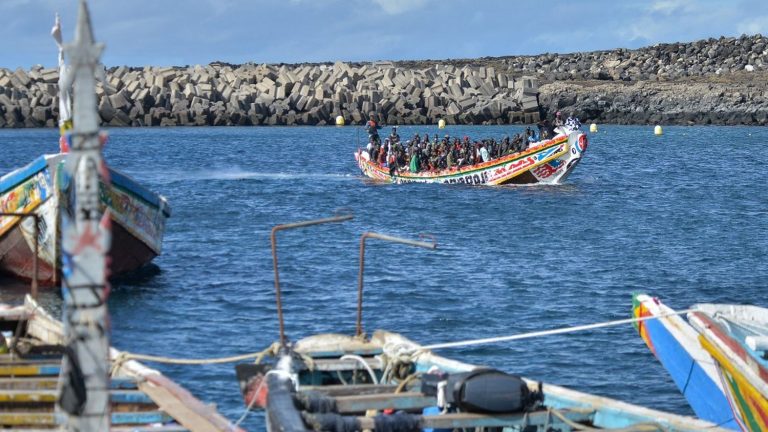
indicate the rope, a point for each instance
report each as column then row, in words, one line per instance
column 125, row 356
column 550, row 332
column 364, row 363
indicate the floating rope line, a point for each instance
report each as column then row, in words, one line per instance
column 562, row 330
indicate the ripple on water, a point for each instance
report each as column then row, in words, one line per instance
column 640, row 213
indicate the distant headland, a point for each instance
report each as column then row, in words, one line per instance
column 713, row 81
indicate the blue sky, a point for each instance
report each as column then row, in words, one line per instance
column 182, row 32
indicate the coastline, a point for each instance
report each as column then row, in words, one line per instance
column 715, row 81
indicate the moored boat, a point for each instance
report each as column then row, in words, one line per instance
column 142, row 399
column 718, row 358
column 334, row 382
column 549, row 161
column 39, row 189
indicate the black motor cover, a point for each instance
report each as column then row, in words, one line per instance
column 489, row 391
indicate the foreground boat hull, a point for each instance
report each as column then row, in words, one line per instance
column 138, row 220
column 676, row 345
column 743, row 372
column 547, row 162
column 388, row 362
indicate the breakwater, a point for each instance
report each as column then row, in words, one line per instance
column 714, row 81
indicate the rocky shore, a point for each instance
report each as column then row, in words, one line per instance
column 714, row 81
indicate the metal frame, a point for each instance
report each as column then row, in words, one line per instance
column 273, row 239
column 367, row 235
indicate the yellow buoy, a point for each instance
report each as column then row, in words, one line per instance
column 339, row 120
column 593, row 127
column 441, row 124
column 657, row 130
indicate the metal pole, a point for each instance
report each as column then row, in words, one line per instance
column 367, row 235
column 273, row 239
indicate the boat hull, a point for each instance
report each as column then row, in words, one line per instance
column 675, row 344
column 743, row 374
column 547, row 162
column 138, row 220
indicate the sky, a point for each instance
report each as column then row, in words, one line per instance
column 189, row 32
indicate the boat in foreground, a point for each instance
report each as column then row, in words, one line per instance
column 141, row 399
column 333, row 382
column 40, row 189
column 550, row 162
column 718, row 358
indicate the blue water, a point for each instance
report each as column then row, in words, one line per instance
column 681, row 216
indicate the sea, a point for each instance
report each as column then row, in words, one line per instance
column 681, row 216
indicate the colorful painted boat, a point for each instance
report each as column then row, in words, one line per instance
column 334, row 382
column 39, row 188
column 550, row 162
column 142, row 399
column 676, row 345
column 718, row 358
column 737, row 338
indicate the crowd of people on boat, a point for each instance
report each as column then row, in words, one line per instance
column 424, row 154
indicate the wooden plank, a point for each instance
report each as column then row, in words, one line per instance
column 15, row 359
column 140, row 417
column 331, row 365
column 19, row 383
column 47, row 369
column 185, row 408
column 134, row 397
column 396, row 401
column 468, row 420
column 350, row 390
column 27, row 418
column 28, row 396
column 164, row 428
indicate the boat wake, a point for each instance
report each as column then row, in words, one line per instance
column 239, row 174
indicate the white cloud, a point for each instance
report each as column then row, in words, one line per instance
column 754, row 25
column 669, row 7
column 396, row 7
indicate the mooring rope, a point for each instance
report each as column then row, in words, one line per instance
column 550, row 332
column 273, row 349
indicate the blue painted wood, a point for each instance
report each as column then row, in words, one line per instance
column 142, row 417
column 22, row 174
column 704, row 395
column 130, row 397
column 123, row 383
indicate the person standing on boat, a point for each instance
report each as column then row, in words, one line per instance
column 394, row 137
column 573, row 123
column 558, row 120
column 373, row 130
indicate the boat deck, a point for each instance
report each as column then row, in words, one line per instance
column 142, row 399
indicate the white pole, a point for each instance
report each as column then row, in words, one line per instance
column 85, row 243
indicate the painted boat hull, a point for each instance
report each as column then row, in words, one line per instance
column 743, row 371
column 138, row 220
column 547, row 162
column 333, row 349
column 676, row 345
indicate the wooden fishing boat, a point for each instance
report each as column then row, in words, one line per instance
column 39, row 189
column 725, row 348
column 676, row 345
column 550, row 162
column 334, row 382
column 142, row 399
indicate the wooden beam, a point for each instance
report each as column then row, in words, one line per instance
column 396, row 401
column 331, row 365
column 468, row 420
column 353, row 389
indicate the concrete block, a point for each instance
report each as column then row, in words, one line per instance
column 118, row 100
column 106, row 110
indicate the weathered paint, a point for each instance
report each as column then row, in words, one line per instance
column 675, row 344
